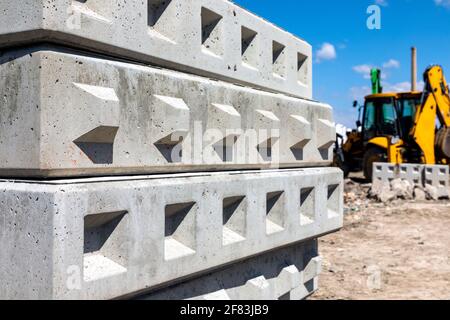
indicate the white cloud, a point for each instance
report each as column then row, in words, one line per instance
column 397, row 87
column 326, row 52
column 392, row 63
column 363, row 69
column 442, row 3
column 401, row 86
column 358, row 93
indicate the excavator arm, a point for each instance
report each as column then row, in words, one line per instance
column 435, row 105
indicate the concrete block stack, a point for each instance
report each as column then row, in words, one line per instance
column 159, row 149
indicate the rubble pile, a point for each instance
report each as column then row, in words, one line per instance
column 403, row 189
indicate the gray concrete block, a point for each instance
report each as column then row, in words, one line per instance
column 419, row 175
column 213, row 38
column 66, row 114
column 103, row 238
column 437, row 176
column 284, row 274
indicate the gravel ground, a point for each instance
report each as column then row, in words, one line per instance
column 399, row 250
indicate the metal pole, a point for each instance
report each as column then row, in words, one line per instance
column 413, row 69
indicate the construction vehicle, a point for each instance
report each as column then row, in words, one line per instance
column 411, row 127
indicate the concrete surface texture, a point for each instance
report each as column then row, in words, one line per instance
column 434, row 178
column 290, row 273
column 213, row 38
column 68, row 114
column 102, row 238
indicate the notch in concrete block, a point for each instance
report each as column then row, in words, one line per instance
column 225, row 148
column 265, row 149
column 275, row 212
column 286, row 296
column 170, row 147
column 267, row 125
column 98, row 144
column 212, row 32
column 250, row 47
column 307, row 206
column 297, row 150
column 103, row 94
column 258, row 289
column 105, row 252
column 300, row 135
column 170, row 123
column 98, row 10
column 312, row 269
column 223, row 117
column 158, row 19
column 288, row 279
column 156, row 9
column 180, row 230
column 326, row 137
column 99, row 110
column 234, row 219
column 279, row 59
column 333, row 200
column 302, row 69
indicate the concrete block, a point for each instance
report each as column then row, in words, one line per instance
column 101, row 117
column 103, row 238
column 213, row 38
column 312, row 269
column 275, row 275
column 436, row 176
column 288, row 279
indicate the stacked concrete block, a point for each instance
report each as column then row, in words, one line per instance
column 125, row 180
column 436, row 176
column 286, row 274
column 96, row 116
column 213, row 38
column 94, row 239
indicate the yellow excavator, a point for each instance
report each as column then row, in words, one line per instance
column 410, row 127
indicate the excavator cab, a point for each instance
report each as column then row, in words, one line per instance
column 407, row 104
column 384, row 115
column 380, row 117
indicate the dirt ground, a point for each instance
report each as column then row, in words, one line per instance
column 395, row 251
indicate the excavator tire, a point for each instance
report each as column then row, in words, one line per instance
column 373, row 154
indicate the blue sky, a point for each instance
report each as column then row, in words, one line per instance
column 341, row 25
